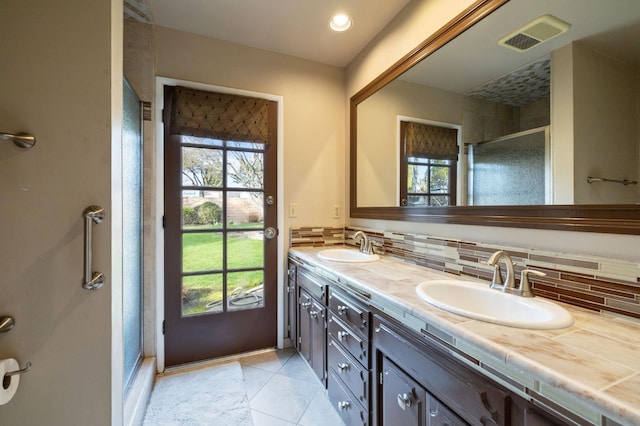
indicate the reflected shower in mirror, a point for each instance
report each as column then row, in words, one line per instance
column 577, row 87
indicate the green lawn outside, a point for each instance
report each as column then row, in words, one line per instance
column 203, row 251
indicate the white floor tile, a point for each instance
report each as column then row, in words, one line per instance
column 270, row 361
column 320, row 412
column 261, row 419
column 255, row 379
column 285, row 398
column 297, row 368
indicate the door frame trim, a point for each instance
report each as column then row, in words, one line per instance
column 159, row 205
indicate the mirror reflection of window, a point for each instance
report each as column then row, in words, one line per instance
column 429, row 156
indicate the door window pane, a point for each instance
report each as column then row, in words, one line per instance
column 201, row 294
column 201, row 167
column 245, row 249
column 245, row 169
column 201, row 209
column 245, row 290
column 439, row 180
column 201, row 251
column 245, row 209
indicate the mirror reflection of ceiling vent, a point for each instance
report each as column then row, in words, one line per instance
column 535, row 32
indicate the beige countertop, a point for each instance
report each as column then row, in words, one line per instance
column 591, row 368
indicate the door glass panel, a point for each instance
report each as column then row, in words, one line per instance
column 201, row 167
column 201, row 251
column 245, row 169
column 201, row 294
column 245, row 249
column 245, row 209
column 201, row 209
column 245, row 290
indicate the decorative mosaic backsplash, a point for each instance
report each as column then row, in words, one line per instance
column 600, row 284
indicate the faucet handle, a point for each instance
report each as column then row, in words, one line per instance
column 525, row 284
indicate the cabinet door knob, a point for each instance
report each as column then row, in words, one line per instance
column 343, row 405
column 404, row 401
column 343, row 366
column 342, row 309
column 342, row 335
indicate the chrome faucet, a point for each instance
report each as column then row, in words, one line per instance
column 497, row 282
column 509, row 286
column 365, row 243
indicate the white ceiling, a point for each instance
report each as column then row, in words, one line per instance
column 293, row 27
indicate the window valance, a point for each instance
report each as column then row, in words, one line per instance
column 424, row 140
column 219, row 116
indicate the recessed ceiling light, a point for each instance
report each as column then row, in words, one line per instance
column 340, row 23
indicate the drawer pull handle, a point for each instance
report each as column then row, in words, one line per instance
column 342, row 309
column 342, row 335
column 432, row 412
column 343, row 405
column 343, row 366
column 404, row 401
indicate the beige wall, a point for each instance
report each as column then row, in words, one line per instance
column 411, row 27
column 56, row 81
column 605, row 127
column 314, row 130
column 378, row 138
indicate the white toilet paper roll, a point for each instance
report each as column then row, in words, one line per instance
column 9, row 384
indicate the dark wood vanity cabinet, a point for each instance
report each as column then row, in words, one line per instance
column 378, row 372
column 312, row 320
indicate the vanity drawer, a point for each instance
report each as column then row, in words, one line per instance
column 352, row 342
column 345, row 404
column 351, row 312
column 352, row 374
column 313, row 284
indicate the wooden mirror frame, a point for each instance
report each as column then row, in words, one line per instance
column 604, row 218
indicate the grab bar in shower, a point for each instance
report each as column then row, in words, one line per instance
column 23, row 140
column 624, row 182
column 93, row 280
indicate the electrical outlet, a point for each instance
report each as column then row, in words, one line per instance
column 293, row 210
column 336, row 211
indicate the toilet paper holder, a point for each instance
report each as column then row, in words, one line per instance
column 26, row 368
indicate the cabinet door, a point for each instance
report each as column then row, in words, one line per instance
column 317, row 315
column 292, row 304
column 304, row 324
column 439, row 415
column 402, row 400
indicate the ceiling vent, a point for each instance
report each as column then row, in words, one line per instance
column 535, row 32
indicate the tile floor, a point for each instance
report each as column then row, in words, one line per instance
column 283, row 391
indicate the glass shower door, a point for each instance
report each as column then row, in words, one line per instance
column 132, row 233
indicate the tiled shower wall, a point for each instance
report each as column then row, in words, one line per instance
column 600, row 284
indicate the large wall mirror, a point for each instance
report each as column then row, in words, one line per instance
column 517, row 113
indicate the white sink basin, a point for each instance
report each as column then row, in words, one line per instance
column 347, row 256
column 482, row 303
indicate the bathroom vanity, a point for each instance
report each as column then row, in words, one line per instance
column 389, row 358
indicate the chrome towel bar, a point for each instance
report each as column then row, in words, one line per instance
column 624, row 182
column 92, row 215
column 23, row 140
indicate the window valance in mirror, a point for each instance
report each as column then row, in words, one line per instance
column 423, row 140
column 219, row 116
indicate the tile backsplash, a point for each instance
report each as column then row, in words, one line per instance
column 600, row 284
